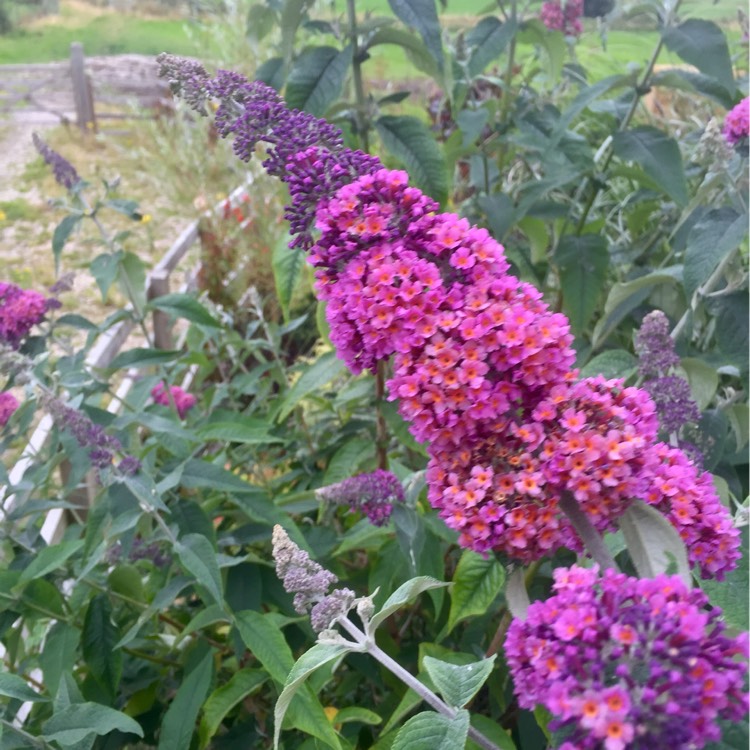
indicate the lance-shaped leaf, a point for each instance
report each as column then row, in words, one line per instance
column 476, row 583
column 703, row 44
column 178, row 724
column 13, row 686
column 421, row 15
column 402, row 595
column 583, row 263
column 658, row 155
column 79, row 720
column 654, row 545
column 198, row 557
column 516, row 594
column 488, row 40
column 411, row 141
column 458, row 683
column 432, row 731
column 317, row 77
column 316, row 657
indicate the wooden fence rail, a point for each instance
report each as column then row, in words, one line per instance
column 83, row 90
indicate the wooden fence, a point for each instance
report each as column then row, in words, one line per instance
column 83, row 90
column 104, row 350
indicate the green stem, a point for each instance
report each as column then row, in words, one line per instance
column 368, row 644
column 641, row 88
column 363, row 124
column 505, row 99
column 381, row 428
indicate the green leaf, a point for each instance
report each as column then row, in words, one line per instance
column 225, row 698
column 347, row 459
column 433, row 731
column 402, row 595
column 199, row 558
column 319, row 655
column 78, row 721
column 163, row 599
column 614, row 363
column 659, row 157
column 178, row 724
column 413, row 46
column 688, row 80
column 317, row 77
column 321, row 372
column 61, row 235
column 733, row 593
column 412, row 143
column 272, row 72
column 126, row 580
column 49, row 559
column 184, row 306
column 126, row 207
column 131, row 277
column 263, row 637
column 209, row 616
column 487, row 41
column 104, row 268
column 712, row 238
column 13, row 686
column 287, row 265
column 703, row 379
column 492, row 732
column 260, row 22
column 583, row 263
column 734, row 736
column 654, row 545
column 244, row 430
column 141, row 357
column 703, row 44
column 99, row 644
column 476, row 583
column 624, row 297
column 267, row 643
column 458, row 683
column 421, row 15
column 59, row 654
column 732, row 327
column 292, row 14
column 516, row 594
column 356, row 714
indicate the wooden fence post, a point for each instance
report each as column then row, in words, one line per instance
column 81, row 89
column 158, row 286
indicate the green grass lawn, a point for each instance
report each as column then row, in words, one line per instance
column 108, row 34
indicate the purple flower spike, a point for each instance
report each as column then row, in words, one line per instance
column 65, row 172
column 624, row 662
column 372, row 494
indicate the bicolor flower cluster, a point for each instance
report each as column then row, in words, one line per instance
column 373, row 494
column 626, row 662
column 481, row 366
column 173, row 395
column 563, row 17
column 20, row 311
column 737, row 123
column 8, row 405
